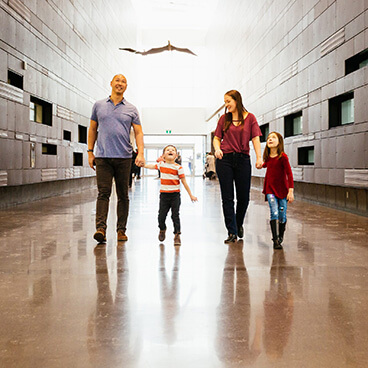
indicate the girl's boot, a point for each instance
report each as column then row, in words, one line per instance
column 275, row 235
column 282, row 226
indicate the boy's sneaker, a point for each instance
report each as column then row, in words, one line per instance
column 161, row 235
column 122, row 236
column 177, row 240
column 100, row 235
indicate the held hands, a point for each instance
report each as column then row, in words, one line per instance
column 259, row 163
column 218, row 153
column 140, row 161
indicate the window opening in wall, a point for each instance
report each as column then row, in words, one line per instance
column 32, row 155
column 82, row 134
column 356, row 62
column 341, row 110
column 306, row 155
column 265, row 129
column 15, row 79
column 293, row 124
column 40, row 111
column 49, row 149
column 77, row 159
column 67, row 135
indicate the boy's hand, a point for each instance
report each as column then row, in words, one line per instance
column 193, row 198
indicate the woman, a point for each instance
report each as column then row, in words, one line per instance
column 231, row 142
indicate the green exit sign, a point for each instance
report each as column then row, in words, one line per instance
column 168, row 131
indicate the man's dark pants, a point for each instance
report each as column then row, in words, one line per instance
column 108, row 169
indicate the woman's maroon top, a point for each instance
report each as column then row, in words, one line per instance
column 236, row 138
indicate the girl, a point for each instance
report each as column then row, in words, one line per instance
column 278, row 185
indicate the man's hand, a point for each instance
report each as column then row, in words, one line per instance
column 140, row 161
column 91, row 160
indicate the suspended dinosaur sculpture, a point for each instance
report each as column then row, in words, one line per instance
column 168, row 47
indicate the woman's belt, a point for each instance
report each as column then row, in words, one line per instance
column 236, row 155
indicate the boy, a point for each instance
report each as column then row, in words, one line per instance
column 171, row 175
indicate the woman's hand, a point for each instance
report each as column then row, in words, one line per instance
column 259, row 163
column 219, row 154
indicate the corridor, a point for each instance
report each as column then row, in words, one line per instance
column 67, row 302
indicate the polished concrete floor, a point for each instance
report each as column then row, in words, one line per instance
column 65, row 302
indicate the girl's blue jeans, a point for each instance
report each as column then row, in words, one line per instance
column 278, row 208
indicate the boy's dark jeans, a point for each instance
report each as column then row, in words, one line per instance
column 106, row 170
column 167, row 201
column 234, row 168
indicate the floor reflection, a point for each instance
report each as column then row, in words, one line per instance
column 233, row 343
column 278, row 308
column 169, row 288
column 340, row 314
column 109, row 335
column 66, row 303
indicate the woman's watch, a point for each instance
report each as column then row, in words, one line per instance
column 90, row 150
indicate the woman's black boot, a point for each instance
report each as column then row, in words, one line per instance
column 282, row 226
column 275, row 235
column 231, row 239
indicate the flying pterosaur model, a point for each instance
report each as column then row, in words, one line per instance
column 168, row 47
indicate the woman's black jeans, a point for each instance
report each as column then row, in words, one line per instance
column 106, row 170
column 167, row 201
column 234, row 168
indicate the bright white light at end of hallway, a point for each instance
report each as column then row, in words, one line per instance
column 172, row 78
column 174, row 14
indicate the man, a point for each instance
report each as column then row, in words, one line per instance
column 113, row 118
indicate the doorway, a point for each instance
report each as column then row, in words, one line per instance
column 191, row 149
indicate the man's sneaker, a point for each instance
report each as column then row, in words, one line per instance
column 100, row 235
column 177, row 240
column 161, row 235
column 122, row 236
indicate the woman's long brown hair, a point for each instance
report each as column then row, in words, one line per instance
column 280, row 147
column 236, row 96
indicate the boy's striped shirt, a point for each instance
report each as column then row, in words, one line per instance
column 170, row 176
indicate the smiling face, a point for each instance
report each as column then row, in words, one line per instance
column 119, row 84
column 230, row 104
column 272, row 140
column 169, row 154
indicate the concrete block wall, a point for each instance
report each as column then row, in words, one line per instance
column 289, row 55
column 67, row 53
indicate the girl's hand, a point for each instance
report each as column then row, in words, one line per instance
column 290, row 196
column 219, row 154
column 193, row 199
